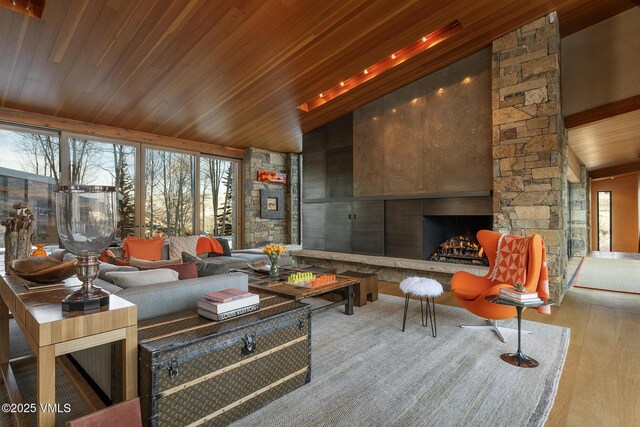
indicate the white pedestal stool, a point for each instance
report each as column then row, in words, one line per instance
column 423, row 288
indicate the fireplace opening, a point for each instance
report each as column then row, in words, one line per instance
column 452, row 238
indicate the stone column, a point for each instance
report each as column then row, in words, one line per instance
column 260, row 231
column 293, row 197
column 530, row 141
column 579, row 207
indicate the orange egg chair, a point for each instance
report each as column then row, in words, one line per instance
column 470, row 291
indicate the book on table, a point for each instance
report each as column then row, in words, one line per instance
column 520, row 296
column 529, row 301
column 228, row 314
column 223, row 307
column 227, row 295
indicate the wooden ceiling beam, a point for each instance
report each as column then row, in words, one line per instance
column 615, row 170
column 19, row 117
column 602, row 112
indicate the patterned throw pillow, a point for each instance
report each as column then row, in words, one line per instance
column 179, row 244
column 511, row 260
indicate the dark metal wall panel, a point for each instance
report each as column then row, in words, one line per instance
column 367, row 229
column 458, row 206
column 313, row 225
column 338, row 227
column 314, row 163
column 339, row 157
column 403, row 228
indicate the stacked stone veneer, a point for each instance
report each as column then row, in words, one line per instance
column 259, row 231
column 579, row 213
column 530, row 141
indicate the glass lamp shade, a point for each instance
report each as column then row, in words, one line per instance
column 86, row 217
column 86, row 220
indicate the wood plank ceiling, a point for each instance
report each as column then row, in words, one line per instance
column 231, row 73
column 607, row 142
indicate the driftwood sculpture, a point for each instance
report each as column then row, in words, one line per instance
column 17, row 237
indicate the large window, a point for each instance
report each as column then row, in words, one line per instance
column 104, row 163
column 161, row 192
column 217, row 196
column 169, row 193
column 29, row 169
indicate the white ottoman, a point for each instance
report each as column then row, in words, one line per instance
column 428, row 289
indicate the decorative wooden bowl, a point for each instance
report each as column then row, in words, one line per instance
column 43, row 269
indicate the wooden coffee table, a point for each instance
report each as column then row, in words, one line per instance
column 344, row 287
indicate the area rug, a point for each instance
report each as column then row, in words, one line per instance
column 367, row 372
column 609, row 274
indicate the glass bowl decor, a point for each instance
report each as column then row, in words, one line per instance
column 86, row 221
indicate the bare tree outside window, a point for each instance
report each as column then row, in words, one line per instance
column 169, row 193
column 104, row 163
column 216, row 194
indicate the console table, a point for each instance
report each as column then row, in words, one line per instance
column 51, row 332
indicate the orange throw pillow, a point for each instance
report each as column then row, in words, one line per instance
column 207, row 244
column 107, row 256
column 147, row 249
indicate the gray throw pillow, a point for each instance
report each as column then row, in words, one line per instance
column 59, row 253
column 105, row 268
column 204, row 268
column 130, row 279
column 226, row 249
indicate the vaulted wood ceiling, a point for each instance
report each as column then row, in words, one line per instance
column 609, row 142
column 231, row 72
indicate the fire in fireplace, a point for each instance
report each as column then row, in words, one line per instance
column 451, row 238
column 462, row 250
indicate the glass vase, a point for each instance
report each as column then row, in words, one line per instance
column 274, row 271
column 86, row 219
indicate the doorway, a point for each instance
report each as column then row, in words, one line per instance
column 604, row 222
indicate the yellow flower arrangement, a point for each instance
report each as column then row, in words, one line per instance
column 274, row 249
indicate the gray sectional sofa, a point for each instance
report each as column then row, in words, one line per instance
column 161, row 299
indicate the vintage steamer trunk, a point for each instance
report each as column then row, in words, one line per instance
column 194, row 371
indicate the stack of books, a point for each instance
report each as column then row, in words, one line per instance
column 228, row 303
column 526, row 298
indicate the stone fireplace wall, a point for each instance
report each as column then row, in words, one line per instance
column 260, row 231
column 530, row 141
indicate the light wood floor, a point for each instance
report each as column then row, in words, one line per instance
column 600, row 383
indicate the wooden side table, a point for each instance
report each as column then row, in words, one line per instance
column 51, row 332
column 367, row 290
